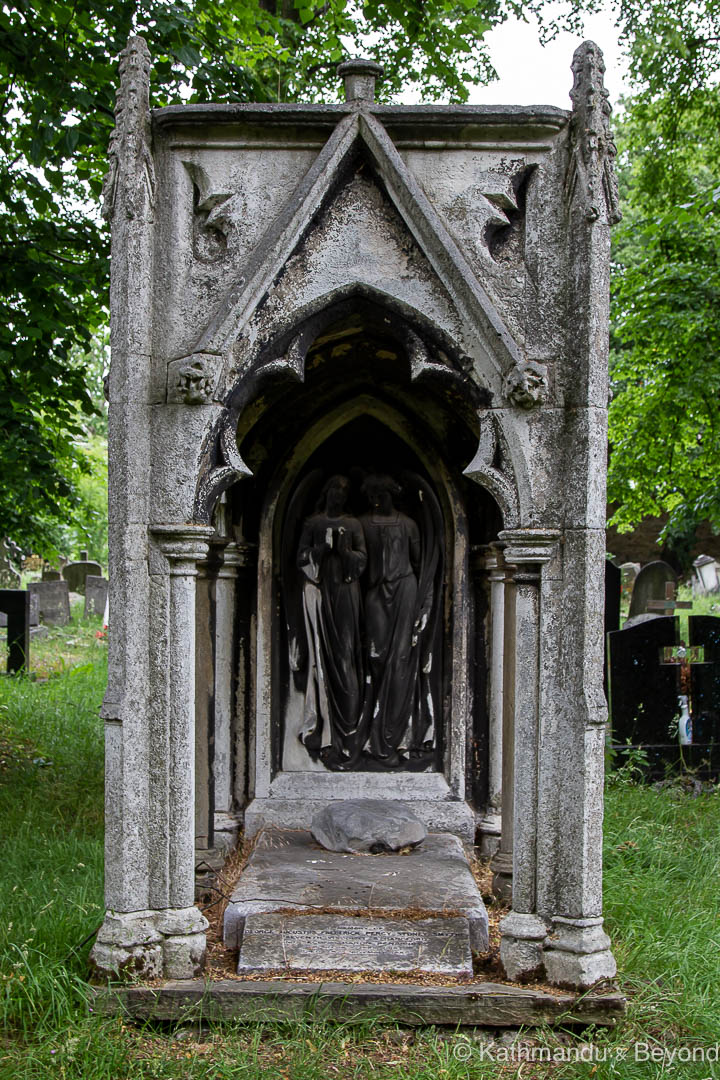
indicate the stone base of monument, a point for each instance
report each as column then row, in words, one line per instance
column 329, row 942
column 420, row 911
column 400, row 928
column 486, row 1004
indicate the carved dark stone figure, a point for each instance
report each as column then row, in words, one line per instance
column 400, row 620
column 332, row 556
column 363, row 622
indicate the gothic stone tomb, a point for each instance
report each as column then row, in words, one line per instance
column 357, row 448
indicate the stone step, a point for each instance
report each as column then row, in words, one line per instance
column 277, row 942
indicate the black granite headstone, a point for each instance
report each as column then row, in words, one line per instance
column 16, row 605
column 613, row 583
column 642, row 693
column 704, row 630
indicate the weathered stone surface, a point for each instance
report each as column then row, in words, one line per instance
column 53, row 601
column 287, row 870
column 338, row 943
column 367, row 825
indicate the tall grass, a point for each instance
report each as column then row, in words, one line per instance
column 51, row 782
column 662, row 867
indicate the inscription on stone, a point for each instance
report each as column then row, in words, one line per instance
column 343, row 943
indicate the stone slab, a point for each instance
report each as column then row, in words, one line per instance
column 341, row 943
column 484, row 1004
column 287, row 870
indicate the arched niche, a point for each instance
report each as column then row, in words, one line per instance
column 358, row 412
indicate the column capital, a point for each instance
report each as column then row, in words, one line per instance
column 183, row 543
column 529, row 545
column 232, row 559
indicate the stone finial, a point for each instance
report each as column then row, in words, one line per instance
column 359, row 77
column 131, row 177
column 592, row 148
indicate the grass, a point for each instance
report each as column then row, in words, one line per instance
column 662, row 861
column 65, row 647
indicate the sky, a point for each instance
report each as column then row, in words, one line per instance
column 530, row 74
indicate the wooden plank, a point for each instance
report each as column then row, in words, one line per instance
column 484, row 1004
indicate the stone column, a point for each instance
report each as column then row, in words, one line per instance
column 501, row 863
column 183, row 546
column 246, row 630
column 490, row 823
column 523, row 931
column 226, row 822
column 204, row 707
column 168, row 938
column 570, row 796
column 577, row 949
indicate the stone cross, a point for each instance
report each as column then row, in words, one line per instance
column 668, row 605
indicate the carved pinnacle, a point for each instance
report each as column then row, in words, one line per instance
column 592, row 171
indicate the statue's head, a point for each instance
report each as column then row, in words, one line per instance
column 380, row 491
column 334, row 494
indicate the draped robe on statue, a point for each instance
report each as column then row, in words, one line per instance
column 331, row 608
column 391, row 608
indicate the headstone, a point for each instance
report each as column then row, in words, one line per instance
column 96, row 594
column 76, row 572
column 643, row 693
column 15, row 603
column 704, row 630
column 706, row 577
column 51, row 575
column 10, row 576
column 53, row 601
column 650, row 585
column 613, row 583
column 34, row 618
column 341, row 943
column 367, row 826
column 628, row 571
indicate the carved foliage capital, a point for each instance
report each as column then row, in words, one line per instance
column 591, row 173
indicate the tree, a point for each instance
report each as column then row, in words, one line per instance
column 665, row 356
column 58, row 71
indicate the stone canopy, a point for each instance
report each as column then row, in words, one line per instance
column 344, row 335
